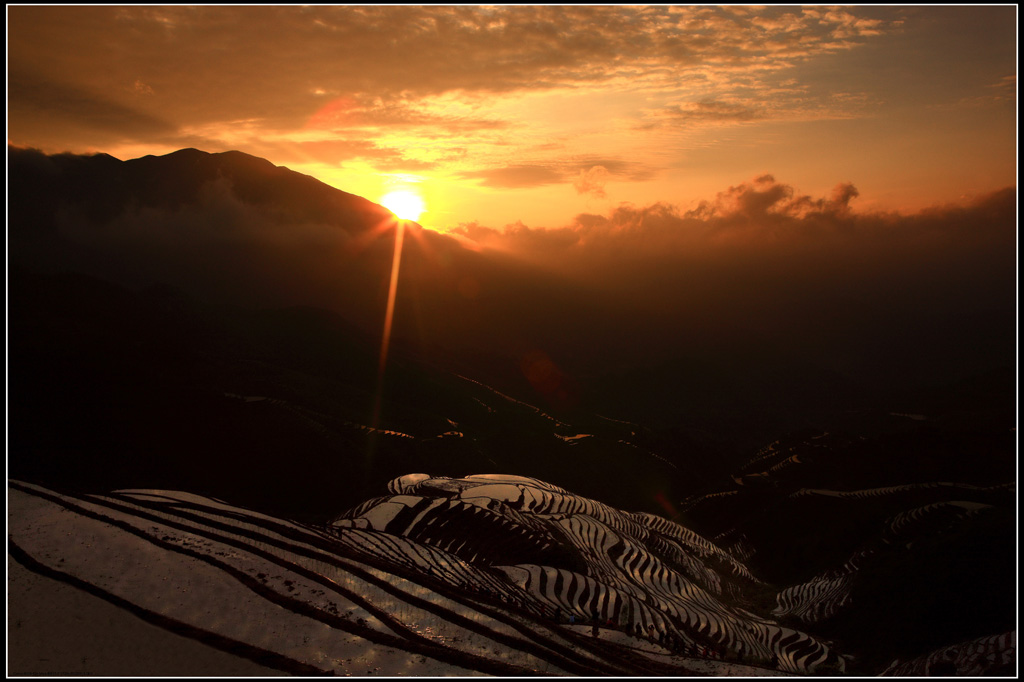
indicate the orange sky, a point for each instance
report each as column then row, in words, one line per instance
column 536, row 114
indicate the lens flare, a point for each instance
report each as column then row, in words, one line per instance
column 389, row 314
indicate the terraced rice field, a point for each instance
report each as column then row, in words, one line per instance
column 498, row 575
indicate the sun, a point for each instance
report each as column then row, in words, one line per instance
column 404, row 204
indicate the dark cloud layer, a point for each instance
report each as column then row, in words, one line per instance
column 41, row 103
column 839, row 287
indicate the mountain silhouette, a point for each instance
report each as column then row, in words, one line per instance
column 106, row 187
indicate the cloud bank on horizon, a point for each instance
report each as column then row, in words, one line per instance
column 534, row 114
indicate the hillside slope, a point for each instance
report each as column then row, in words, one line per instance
column 493, row 574
column 377, row 589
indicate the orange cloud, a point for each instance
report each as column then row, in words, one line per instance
column 518, row 176
column 406, row 52
column 588, row 174
column 592, row 181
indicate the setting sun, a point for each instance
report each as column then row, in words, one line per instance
column 404, row 204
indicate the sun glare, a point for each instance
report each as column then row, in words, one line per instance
column 404, row 204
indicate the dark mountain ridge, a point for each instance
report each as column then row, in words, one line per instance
column 106, row 186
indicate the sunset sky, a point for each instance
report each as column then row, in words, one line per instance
column 498, row 115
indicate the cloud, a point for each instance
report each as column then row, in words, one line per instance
column 873, row 294
column 716, row 111
column 764, row 198
column 141, row 88
column 1001, row 93
column 592, row 181
column 339, row 151
column 518, row 177
column 619, row 168
column 348, row 112
column 270, row 63
column 588, row 174
column 764, row 228
column 784, row 100
column 42, row 102
column 711, row 110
